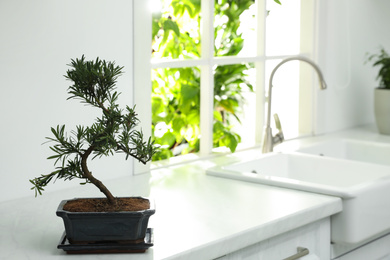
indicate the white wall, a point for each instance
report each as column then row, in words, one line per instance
column 348, row 29
column 38, row 39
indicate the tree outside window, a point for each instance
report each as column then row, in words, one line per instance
column 176, row 76
column 176, row 91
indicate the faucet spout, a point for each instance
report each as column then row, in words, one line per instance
column 269, row 141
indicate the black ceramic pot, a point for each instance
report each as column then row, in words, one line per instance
column 91, row 227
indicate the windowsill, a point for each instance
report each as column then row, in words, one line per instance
column 192, row 157
column 217, row 152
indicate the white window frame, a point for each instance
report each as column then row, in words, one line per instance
column 142, row 66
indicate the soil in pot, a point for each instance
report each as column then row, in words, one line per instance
column 102, row 205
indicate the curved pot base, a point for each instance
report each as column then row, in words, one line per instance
column 106, row 247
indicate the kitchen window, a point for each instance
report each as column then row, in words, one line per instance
column 196, row 71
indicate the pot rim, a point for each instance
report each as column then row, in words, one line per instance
column 151, row 210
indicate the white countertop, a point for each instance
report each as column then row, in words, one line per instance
column 197, row 216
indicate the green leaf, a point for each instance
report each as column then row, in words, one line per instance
column 168, row 139
column 157, row 105
column 217, row 116
column 193, row 117
column 229, row 105
column 230, row 141
column 218, row 127
column 189, row 92
column 155, row 28
column 171, row 25
column 178, row 123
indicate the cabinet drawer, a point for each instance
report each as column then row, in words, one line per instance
column 315, row 237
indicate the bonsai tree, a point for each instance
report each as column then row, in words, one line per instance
column 114, row 132
column 383, row 61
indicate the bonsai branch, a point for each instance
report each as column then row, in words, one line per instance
column 88, row 175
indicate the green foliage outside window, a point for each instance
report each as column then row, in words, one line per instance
column 176, row 106
column 176, row 92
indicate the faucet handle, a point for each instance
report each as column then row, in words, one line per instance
column 279, row 137
column 277, row 122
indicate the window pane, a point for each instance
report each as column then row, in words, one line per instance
column 283, row 28
column 285, row 96
column 175, row 111
column 234, row 24
column 176, row 29
column 233, row 94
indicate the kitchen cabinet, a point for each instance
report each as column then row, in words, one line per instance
column 315, row 237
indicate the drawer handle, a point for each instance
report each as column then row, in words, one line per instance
column 301, row 251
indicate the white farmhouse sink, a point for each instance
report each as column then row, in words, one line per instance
column 349, row 149
column 364, row 188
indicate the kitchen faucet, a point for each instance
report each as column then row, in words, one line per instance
column 270, row 141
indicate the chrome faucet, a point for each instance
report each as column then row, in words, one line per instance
column 270, row 141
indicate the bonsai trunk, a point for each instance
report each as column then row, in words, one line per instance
column 87, row 174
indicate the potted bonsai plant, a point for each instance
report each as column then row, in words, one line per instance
column 382, row 92
column 109, row 219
